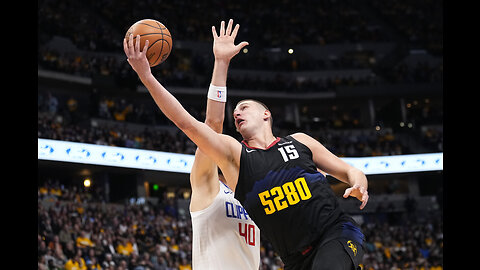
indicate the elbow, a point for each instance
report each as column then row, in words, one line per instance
column 215, row 123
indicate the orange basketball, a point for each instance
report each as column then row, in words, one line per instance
column 159, row 39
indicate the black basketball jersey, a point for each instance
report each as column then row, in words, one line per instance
column 282, row 191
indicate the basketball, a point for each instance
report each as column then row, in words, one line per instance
column 159, row 39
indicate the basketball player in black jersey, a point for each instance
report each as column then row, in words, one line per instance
column 275, row 179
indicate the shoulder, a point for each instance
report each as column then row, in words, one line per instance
column 313, row 144
column 303, row 138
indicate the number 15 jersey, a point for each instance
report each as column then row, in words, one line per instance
column 289, row 200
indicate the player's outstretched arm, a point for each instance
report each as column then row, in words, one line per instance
column 223, row 149
column 204, row 176
column 331, row 164
column 224, row 49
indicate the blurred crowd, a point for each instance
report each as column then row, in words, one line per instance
column 267, row 22
column 76, row 228
column 344, row 136
column 192, row 71
column 409, row 245
column 79, row 232
column 180, row 70
column 99, row 27
column 420, row 21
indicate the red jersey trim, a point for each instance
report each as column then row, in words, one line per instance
column 272, row 144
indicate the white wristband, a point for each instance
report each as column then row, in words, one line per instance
column 217, row 93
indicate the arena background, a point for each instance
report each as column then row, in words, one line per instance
column 363, row 77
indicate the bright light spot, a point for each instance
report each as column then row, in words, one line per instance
column 87, row 182
column 245, row 50
column 290, row 51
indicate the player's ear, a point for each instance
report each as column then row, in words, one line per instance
column 266, row 115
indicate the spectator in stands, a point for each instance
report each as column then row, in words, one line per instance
column 69, row 249
column 145, row 261
column 83, row 241
column 64, row 235
column 108, row 262
column 76, row 263
column 42, row 265
column 104, row 108
column 124, row 247
column 72, row 109
column 55, row 244
column 185, row 265
column 93, row 264
column 52, row 103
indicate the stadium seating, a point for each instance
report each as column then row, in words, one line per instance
column 365, row 78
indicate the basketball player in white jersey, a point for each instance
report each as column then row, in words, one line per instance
column 224, row 236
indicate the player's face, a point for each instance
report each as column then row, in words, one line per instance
column 248, row 115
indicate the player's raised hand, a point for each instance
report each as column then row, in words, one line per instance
column 137, row 58
column 358, row 192
column 223, row 42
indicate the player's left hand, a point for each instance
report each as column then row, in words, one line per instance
column 358, row 192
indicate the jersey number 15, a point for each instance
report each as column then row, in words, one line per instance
column 288, row 152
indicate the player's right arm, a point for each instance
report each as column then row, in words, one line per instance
column 222, row 149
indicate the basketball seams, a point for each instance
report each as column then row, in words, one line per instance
column 161, row 48
column 151, row 45
column 164, row 39
column 159, row 27
column 153, row 34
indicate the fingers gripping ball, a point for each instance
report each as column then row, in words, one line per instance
column 159, row 39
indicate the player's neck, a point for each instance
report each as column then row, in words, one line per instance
column 261, row 140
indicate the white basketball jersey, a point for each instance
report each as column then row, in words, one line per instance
column 224, row 236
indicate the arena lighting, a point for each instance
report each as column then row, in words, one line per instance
column 85, row 153
column 87, row 182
